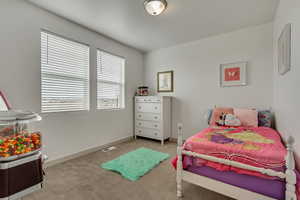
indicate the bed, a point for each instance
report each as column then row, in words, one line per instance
column 227, row 161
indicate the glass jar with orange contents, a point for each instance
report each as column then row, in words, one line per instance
column 17, row 137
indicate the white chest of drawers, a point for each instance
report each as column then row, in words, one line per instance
column 153, row 117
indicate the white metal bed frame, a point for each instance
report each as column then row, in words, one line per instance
column 230, row 190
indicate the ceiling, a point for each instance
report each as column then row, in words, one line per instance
column 184, row 20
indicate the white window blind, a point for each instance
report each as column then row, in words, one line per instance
column 64, row 74
column 110, row 81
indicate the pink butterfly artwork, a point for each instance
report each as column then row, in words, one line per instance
column 233, row 74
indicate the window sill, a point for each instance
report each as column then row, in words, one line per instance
column 64, row 111
column 110, row 109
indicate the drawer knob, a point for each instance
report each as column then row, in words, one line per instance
column 140, row 123
column 155, row 117
column 140, row 131
column 140, row 115
column 155, row 125
column 155, row 108
column 155, row 134
column 140, row 107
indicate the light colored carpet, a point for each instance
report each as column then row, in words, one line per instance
column 83, row 179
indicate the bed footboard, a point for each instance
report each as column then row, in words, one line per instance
column 291, row 179
column 179, row 161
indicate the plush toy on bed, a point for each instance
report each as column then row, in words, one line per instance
column 228, row 120
column 221, row 121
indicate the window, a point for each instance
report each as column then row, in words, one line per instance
column 64, row 74
column 110, row 81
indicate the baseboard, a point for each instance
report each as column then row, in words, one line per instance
column 85, row 152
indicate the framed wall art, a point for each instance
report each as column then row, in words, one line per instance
column 233, row 74
column 284, row 50
column 165, row 81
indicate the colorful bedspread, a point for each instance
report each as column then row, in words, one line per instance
column 259, row 147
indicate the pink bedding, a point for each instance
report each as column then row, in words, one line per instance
column 259, row 146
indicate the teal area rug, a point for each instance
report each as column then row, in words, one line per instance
column 136, row 163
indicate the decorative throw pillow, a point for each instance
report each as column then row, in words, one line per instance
column 232, row 120
column 218, row 114
column 248, row 117
column 228, row 120
column 265, row 118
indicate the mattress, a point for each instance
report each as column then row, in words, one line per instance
column 271, row 188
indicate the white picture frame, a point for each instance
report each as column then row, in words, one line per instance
column 284, row 50
column 233, row 74
column 165, row 81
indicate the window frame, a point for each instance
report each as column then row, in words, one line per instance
column 71, row 77
column 123, row 85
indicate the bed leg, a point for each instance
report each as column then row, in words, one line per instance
column 179, row 162
column 179, row 173
column 290, row 193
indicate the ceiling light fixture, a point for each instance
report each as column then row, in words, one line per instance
column 155, row 7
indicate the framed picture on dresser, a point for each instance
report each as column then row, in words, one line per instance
column 165, row 81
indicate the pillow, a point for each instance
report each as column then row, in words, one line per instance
column 228, row 120
column 248, row 117
column 218, row 113
column 232, row 120
column 265, row 118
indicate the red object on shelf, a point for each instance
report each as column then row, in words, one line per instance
column 143, row 91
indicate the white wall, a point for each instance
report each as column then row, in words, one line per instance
column 69, row 132
column 196, row 70
column 286, row 88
